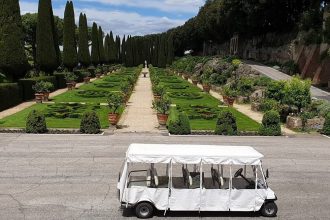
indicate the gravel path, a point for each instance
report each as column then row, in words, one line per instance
column 139, row 115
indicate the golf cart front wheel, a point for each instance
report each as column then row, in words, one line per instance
column 144, row 210
column 269, row 209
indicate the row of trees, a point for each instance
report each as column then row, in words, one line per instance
column 218, row 20
column 157, row 50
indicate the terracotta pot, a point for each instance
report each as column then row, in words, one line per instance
column 229, row 101
column 144, row 75
column 162, row 118
column 206, row 88
column 70, row 85
column 98, row 75
column 113, row 118
column 39, row 97
column 87, row 80
column 186, row 77
column 46, row 96
column 195, row 82
column 157, row 97
column 74, row 84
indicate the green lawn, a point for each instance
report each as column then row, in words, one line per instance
column 202, row 104
column 64, row 115
column 18, row 120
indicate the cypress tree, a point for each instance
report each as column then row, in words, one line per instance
column 118, row 49
column 70, row 57
column 112, row 49
column 123, row 50
column 170, row 49
column 12, row 55
column 95, row 45
column 83, row 54
column 161, row 52
column 101, row 47
column 106, row 49
column 47, row 42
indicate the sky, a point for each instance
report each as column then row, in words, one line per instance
column 127, row 17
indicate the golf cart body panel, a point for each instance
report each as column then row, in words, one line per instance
column 200, row 190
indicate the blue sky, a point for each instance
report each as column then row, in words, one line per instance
column 134, row 17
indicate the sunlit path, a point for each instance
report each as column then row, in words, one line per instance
column 139, row 115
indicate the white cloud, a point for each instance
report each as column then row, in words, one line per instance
column 184, row 6
column 120, row 22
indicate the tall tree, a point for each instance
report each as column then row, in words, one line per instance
column 47, row 42
column 161, row 52
column 101, row 47
column 13, row 60
column 112, row 49
column 83, row 53
column 95, row 45
column 170, row 49
column 106, row 49
column 70, row 57
column 123, row 50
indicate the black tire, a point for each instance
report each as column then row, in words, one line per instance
column 269, row 209
column 144, row 210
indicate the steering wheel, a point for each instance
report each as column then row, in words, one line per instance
column 238, row 173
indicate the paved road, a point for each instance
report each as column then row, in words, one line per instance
column 74, row 177
column 277, row 75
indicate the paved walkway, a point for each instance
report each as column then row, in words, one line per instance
column 246, row 109
column 139, row 115
column 28, row 104
column 277, row 75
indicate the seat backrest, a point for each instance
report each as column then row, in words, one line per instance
column 149, row 179
column 216, row 178
column 155, row 175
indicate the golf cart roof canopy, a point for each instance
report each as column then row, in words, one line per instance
column 193, row 154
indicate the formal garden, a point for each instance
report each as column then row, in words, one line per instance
column 68, row 109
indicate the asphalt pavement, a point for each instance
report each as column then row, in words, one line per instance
column 75, row 176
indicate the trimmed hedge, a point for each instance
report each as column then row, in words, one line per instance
column 326, row 127
column 90, row 123
column 271, row 124
column 26, row 85
column 9, row 95
column 178, row 123
column 226, row 124
column 36, row 123
column 60, row 80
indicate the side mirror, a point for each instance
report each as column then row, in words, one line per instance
column 267, row 174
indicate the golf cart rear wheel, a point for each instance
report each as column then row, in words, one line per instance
column 144, row 210
column 269, row 209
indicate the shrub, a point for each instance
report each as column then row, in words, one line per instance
column 178, row 123
column 11, row 90
column 70, row 77
column 226, row 123
column 326, row 127
column 90, row 123
column 27, row 84
column 275, row 90
column 36, row 123
column 162, row 106
column 271, row 124
column 297, row 93
column 269, row 104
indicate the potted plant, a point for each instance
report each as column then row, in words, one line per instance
column 115, row 101
column 70, row 78
column 98, row 72
column 87, row 77
column 195, row 79
column 158, row 91
column 206, row 80
column 38, row 89
column 162, row 106
column 47, row 88
column 91, row 70
column 229, row 95
column 125, row 88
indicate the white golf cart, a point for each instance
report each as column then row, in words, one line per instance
column 194, row 178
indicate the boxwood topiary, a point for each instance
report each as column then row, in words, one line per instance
column 178, row 123
column 226, row 123
column 36, row 123
column 271, row 124
column 326, row 127
column 90, row 123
